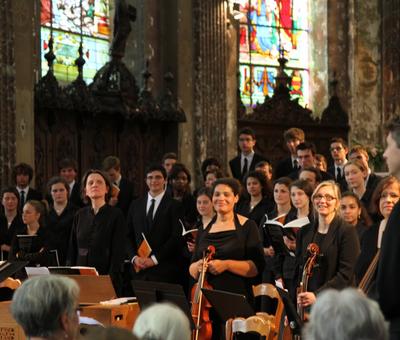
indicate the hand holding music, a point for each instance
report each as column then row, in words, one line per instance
column 217, row 267
column 306, row 299
column 269, row 251
column 190, row 246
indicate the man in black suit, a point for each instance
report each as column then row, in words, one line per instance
column 306, row 152
column 22, row 175
column 388, row 276
column 247, row 160
column 292, row 137
column 372, row 180
column 124, row 190
column 68, row 169
column 339, row 150
column 156, row 217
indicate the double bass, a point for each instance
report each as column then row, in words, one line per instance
column 200, row 305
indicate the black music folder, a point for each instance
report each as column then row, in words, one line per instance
column 228, row 305
column 296, row 324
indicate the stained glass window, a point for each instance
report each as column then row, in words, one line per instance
column 68, row 19
column 266, row 28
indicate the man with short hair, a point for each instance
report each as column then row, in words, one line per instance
column 266, row 168
column 339, row 150
column 22, row 175
column 292, row 137
column 359, row 152
column 156, row 216
column 247, row 159
column 306, row 156
column 68, row 169
column 168, row 161
column 312, row 175
column 388, row 276
column 125, row 191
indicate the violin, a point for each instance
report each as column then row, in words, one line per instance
column 367, row 281
column 313, row 251
column 200, row 305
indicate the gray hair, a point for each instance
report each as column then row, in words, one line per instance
column 345, row 315
column 40, row 302
column 162, row 321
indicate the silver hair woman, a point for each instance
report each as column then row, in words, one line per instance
column 162, row 321
column 46, row 308
column 345, row 315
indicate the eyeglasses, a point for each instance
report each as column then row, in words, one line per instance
column 327, row 197
column 389, row 194
column 336, row 148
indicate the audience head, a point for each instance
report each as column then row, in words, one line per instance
column 162, row 321
column 281, row 191
column 293, row 137
column 257, row 184
column 204, row 202
column 112, row 167
column 225, row 194
column 46, row 306
column 338, row 149
column 247, row 140
column 345, row 315
column 68, row 169
column 168, row 160
column 359, row 152
column 300, row 194
column 96, row 185
column 266, row 168
column 10, row 199
column 385, row 196
column 58, row 188
column 179, row 177
column 321, row 162
column 392, row 151
column 211, row 176
column 156, row 179
column 355, row 173
column 210, row 164
column 22, row 175
column 326, row 199
column 312, row 175
column 34, row 212
column 306, row 154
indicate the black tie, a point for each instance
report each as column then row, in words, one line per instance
column 149, row 216
column 295, row 164
column 22, row 199
column 244, row 171
column 339, row 174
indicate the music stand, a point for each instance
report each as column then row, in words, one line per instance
column 8, row 269
column 228, row 305
column 296, row 324
column 149, row 292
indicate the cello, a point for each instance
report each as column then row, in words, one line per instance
column 200, row 305
column 313, row 251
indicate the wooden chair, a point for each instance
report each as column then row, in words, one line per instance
column 267, row 289
column 255, row 323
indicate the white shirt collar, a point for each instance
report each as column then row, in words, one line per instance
column 157, row 202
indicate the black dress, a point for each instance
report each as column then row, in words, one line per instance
column 7, row 233
column 265, row 206
column 59, row 231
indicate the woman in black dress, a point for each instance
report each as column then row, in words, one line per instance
column 60, row 218
column 385, row 196
column 239, row 256
column 98, row 236
column 337, row 241
column 10, row 222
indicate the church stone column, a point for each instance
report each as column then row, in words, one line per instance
column 365, row 71
column 7, row 93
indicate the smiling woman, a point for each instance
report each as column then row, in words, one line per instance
column 239, row 254
column 337, row 242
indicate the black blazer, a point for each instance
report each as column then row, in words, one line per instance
column 75, row 197
column 33, row 195
column 125, row 195
column 164, row 238
column 236, row 169
column 284, row 168
column 340, row 181
column 373, row 181
column 388, row 277
column 340, row 250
